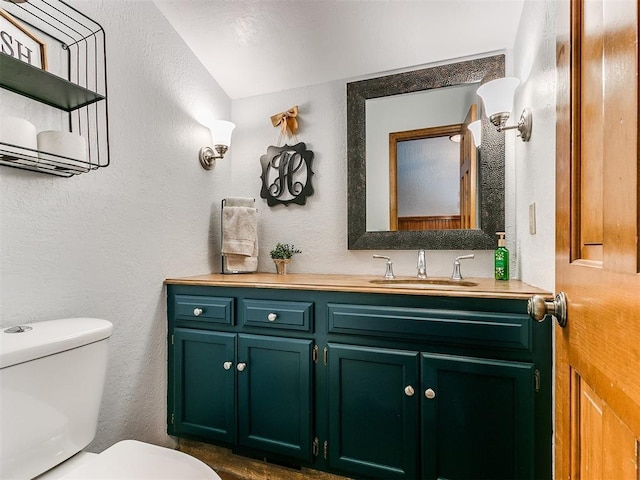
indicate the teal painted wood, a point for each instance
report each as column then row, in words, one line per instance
column 204, row 309
column 392, row 336
column 441, row 326
column 203, row 390
column 275, row 395
column 286, row 315
column 479, row 424
column 373, row 428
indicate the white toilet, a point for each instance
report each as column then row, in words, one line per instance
column 51, row 380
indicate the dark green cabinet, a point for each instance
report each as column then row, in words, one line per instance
column 275, row 395
column 404, row 415
column 203, row 390
column 476, row 420
column 248, row 390
column 364, row 385
column 373, row 427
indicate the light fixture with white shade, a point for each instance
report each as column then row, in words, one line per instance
column 476, row 130
column 221, row 134
column 497, row 96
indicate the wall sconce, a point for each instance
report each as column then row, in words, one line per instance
column 497, row 96
column 476, row 131
column 221, row 135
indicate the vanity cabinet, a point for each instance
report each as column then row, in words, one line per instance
column 431, row 410
column 373, row 421
column 245, row 390
column 363, row 384
column 204, row 384
column 477, row 410
column 455, row 413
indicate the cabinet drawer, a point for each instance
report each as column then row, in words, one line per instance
column 204, row 309
column 277, row 314
column 504, row 330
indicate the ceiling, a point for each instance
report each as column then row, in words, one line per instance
column 254, row 47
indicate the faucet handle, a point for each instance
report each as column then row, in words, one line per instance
column 457, row 275
column 388, row 274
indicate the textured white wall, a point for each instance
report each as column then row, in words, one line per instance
column 319, row 228
column 101, row 244
column 534, row 62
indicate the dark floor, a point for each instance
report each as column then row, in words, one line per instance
column 228, row 476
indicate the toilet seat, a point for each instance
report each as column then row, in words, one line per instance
column 130, row 459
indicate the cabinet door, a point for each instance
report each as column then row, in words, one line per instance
column 373, row 413
column 203, row 389
column 477, row 418
column 274, row 395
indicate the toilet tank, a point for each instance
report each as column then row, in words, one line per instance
column 51, row 380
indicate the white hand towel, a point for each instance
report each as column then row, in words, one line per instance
column 240, row 231
column 239, row 202
column 239, row 263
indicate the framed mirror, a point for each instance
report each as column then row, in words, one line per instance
column 365, row 181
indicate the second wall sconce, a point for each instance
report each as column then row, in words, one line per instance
column 221, row 135
column 497, row 96
column 476, row 130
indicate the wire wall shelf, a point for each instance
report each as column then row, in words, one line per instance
column 74, row 83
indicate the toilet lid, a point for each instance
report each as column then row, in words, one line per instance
column 130, row 459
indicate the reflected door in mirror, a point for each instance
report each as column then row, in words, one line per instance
column 423, row 174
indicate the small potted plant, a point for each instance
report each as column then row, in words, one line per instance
column 282, row 256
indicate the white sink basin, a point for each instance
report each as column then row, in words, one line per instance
column 422, row 282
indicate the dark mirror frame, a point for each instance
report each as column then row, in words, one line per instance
column 490, row 158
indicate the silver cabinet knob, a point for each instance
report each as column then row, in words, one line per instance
column 227, row 365
column 197, row 312
column 409, row 391
column 241, row 366
column 538, row 308
column 430, row 394
column 272, row 317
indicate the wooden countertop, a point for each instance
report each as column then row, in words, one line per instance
column 484, row 288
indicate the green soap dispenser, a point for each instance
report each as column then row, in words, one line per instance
column 501, row 258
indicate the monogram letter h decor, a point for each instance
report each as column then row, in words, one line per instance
column 286, row 171
column 286, row 174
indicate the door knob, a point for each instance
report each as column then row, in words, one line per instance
column 241, row 366
column 430, row 393
column 538, row 308
column 227, row 365
column 409, row 391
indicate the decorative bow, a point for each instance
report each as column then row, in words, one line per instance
column 287, row 121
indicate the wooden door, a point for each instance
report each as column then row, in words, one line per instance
column 597, row 263
column 419, row 222
column 468, row 172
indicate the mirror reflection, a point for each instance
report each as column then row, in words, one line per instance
column 421, row 161
column 384, row 116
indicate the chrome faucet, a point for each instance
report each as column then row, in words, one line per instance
column 388, row 274
column 457, row 275
column 422, row 264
